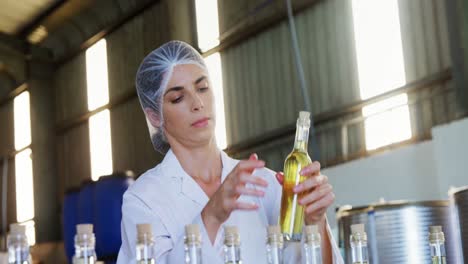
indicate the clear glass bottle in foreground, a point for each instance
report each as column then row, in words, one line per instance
column 358, row 240
column 437, row 245
column 193, row 254
column 145, row 243
column 311, row 250
column 85, row 243
column 18, row 247
column 232, row 250
column 274, row 245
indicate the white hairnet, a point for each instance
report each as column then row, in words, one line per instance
column 152, row 78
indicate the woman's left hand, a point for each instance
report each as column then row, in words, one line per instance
column 318, row 193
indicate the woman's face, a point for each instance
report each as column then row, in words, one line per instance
column 188, row 104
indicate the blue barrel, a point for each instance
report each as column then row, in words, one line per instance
column 70, row 219
column 108, row 196
column 86, row 203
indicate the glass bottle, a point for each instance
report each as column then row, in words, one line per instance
column 193, row 244
column 311, row 250
column 145, row 242
column 232, row 250
column 437, row 245
column 292, row 213
column 358, row 240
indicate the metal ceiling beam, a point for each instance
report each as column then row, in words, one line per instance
column 24, row 49
column 30, row 27
column 15, row 44
column 107, row 30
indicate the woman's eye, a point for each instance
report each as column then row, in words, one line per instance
column 177, row 100
column 203, row 89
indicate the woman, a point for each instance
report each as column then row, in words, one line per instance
column 198, row 183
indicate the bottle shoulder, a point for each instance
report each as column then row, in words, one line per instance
column 299, row 156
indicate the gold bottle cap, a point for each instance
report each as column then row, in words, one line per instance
column 311, row 234
column 17, row 229
column 84, row 229
column 304, row 115
column 144, row 229
column 192, row 234
column 358, row 233
column 436, row 235
column 311, row 229
column 274, row 234
column 357, row 228
column 231, row 236
column 274, row 229
column 192, row 230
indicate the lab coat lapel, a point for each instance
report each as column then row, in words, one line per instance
column 228, row 165
column 188, row 187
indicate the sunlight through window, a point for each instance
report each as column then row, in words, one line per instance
column 24, row 186
column 378, row 46
column 96, row 75
column 380, row 69
column 100, row 144
column 30, row 231
column 213, row 63
column 207, row 24
column 99, row 124
column 387, row 122
column 22, row 121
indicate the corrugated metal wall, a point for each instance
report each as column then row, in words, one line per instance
column 131, row 144
column 261, row 88
column 132, row 149
column 426, row 52
column 7, row 144
column 72, row 146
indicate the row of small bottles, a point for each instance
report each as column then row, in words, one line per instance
column 18, row 248
column 232, row 251
column 359, row 252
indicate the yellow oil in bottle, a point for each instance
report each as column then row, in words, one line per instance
column 292, row 213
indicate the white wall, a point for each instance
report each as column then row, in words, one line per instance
column 451, row 154
column 422, row 171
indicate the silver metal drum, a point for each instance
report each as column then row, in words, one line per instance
column 397, row 232
column 460, row 200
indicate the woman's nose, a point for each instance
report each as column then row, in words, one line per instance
column 197, row 103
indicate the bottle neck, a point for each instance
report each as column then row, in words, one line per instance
column 85, row 246
column 359, row 251
column 144, row 247
column 193, row 240
column 18, row 249
column 232, row 253
column 302, row 137
column 437, row 249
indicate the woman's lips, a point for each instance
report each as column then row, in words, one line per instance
column 201, row 122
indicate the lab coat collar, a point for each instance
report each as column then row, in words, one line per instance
column 188, row 186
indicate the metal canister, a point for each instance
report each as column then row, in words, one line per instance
column 397, row 232
column 460, row 200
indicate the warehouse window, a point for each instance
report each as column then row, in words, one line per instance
column 381, row 68
column 22, row 121
column 208, row 34
column 207, row 24
column 99, row 123
column 96, row 75
column 387, row 121
column 100, row 140
column 214, row 66
column 24, row 181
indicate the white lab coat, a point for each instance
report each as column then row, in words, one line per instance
column 168, row 198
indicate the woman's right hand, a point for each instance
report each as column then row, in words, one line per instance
column 225, row 200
